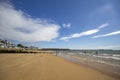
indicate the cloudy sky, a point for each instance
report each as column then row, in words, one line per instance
column 75, row 24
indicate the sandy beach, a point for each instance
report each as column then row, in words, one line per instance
column 45, row 67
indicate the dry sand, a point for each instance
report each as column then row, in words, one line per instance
column 45, row 67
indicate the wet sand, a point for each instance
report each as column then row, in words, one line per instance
column 98, row 64
column 45, row 67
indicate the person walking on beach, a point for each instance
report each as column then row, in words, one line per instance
column 56, row 53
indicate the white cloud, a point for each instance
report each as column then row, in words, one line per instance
column 76, row 35
column 67, row 25
column 102, row 26
column 17, row 25
column 85, row 33
column 109, row 34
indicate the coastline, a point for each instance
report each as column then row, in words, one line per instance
column 45, row 67
column 107, row 69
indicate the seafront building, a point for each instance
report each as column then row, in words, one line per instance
column 8, row 44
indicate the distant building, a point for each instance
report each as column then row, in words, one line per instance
column 2, row 45
column 7, row 44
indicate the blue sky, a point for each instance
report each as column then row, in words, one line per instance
column 75, row 24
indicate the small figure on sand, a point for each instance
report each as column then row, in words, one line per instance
column 56, row 53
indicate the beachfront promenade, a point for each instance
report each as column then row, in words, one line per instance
column 45, row 67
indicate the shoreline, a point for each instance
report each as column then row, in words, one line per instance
column 45, row 67
column 103, row 68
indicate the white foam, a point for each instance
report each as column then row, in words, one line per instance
column 108, row 57
column 99, row 61
column 117, row 55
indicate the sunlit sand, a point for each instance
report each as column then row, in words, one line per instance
column 45, row 67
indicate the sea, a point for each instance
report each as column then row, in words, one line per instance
column 105, row 60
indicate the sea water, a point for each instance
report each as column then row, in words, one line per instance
column 108, row 60
column 103, row 56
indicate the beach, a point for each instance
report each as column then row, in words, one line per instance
column 106, row 63
column 45, row 66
